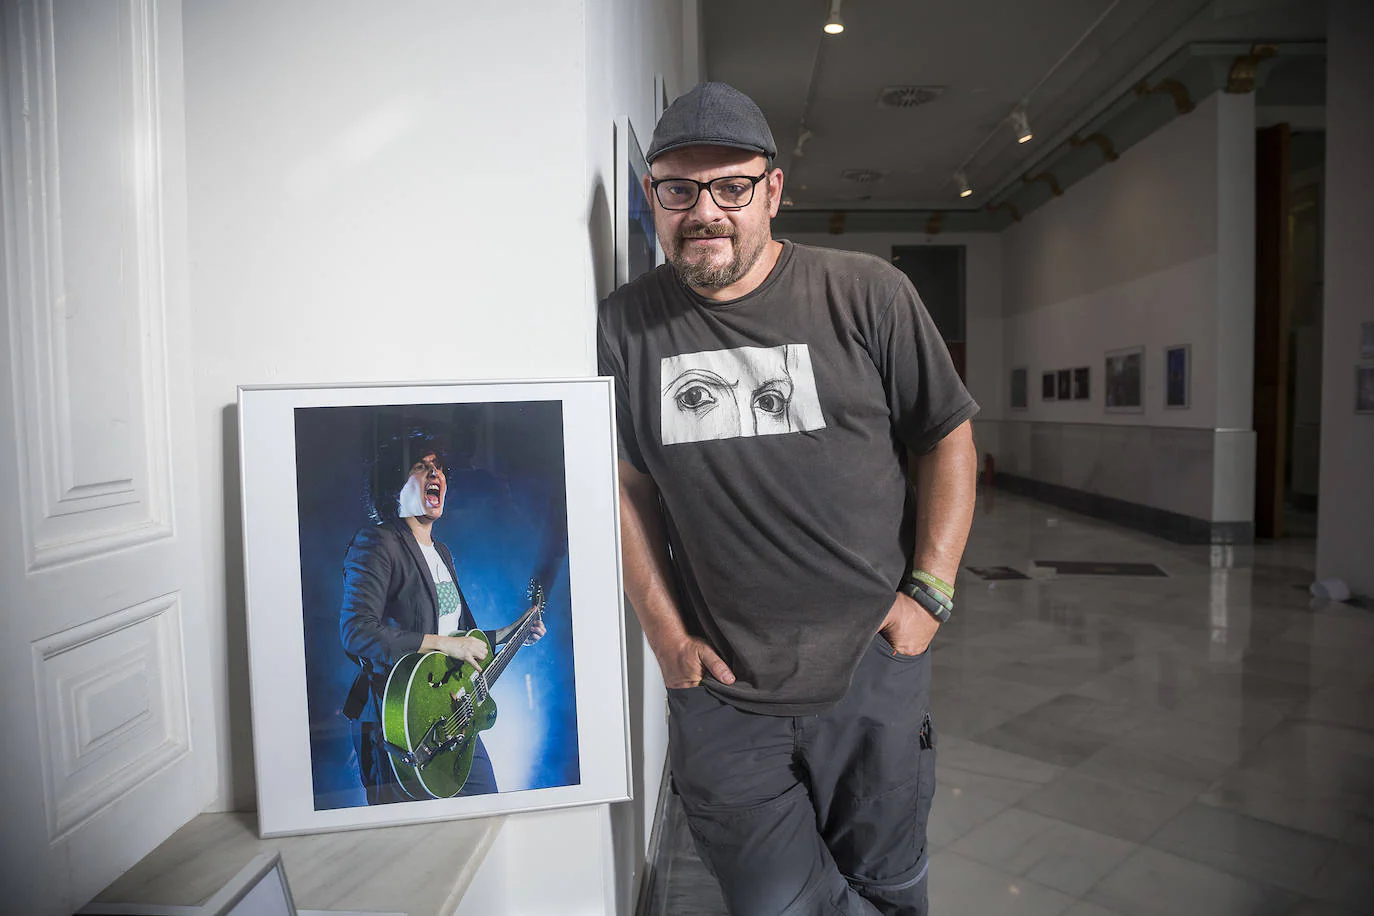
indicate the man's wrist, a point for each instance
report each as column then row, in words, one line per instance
column 935, row 602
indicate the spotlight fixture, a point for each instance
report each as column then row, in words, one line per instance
column 965, row 189
column 834, row 25
column 1021, row 124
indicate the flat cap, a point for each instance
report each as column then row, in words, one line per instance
column 713, row 114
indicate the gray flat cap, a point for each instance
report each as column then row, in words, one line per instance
column 714, row 114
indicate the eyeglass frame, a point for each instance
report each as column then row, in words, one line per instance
column 706, row 185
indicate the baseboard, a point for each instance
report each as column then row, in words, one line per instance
column 1172, row 526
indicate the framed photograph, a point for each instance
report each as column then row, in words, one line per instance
column 1123, row 380
column 1047, row 386
column 1018, row 388
column 660, row 97
column 1177, row 369
column 636, row 242
column 1080, row 384
column 435, row 625
column 259, row 889
column 1364, row 389
column 1064, row 384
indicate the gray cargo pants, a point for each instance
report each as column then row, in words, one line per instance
column 812, row 815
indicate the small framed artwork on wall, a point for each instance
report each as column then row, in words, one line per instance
column 1018, row 388
column 1124, row 380
column 1047, row 386
column 1176, row 376
column 1065, row 384
column 1364, row 389
column 1080, row 384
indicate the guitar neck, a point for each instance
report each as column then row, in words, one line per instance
column 517, row 639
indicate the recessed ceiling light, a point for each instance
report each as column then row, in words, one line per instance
column 908, row 96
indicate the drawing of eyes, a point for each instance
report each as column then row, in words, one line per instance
column 696, row 391
column 773, row 397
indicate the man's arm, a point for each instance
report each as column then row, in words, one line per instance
column 644, row 554
column 946, row 483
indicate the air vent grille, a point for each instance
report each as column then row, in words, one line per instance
column 864, row 176
column 908, row 96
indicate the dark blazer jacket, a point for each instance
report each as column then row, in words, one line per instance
column 389, row 602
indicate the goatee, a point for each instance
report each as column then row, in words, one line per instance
column 705, row 273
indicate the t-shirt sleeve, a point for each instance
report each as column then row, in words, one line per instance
column 608, row 362
column 924, row 393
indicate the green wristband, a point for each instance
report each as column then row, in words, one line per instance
column 933, row 581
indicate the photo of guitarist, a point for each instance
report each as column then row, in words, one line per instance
column 401, row 595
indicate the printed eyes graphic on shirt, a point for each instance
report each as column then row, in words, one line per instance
column 747, row 391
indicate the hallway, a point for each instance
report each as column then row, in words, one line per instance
column 1200, row 743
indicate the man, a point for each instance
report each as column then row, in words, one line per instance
column 771, row 400
column 401, row 595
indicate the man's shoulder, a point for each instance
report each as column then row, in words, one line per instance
column 377, row 535
column 840, row 259
column 634, row 294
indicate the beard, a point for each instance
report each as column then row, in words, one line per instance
column 706, row 271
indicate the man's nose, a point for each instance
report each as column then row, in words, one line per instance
column 706, row 209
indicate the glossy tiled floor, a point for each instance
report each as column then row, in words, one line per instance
column 1197, row 745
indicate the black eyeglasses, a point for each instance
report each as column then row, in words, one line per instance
column 733, row 192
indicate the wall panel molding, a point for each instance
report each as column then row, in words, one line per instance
column 112, row 706
column 86, row 288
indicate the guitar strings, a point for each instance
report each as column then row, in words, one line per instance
column 513, row 644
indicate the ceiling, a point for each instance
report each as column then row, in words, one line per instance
column 1071, row 62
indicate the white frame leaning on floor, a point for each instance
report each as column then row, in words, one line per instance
column 273, row 573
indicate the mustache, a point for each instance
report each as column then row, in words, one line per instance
column 704, row 231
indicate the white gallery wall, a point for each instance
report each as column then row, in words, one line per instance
column 1153, row 250
column 393, row 192
column 1345, row 523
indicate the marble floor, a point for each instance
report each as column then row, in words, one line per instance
column 1195, row 745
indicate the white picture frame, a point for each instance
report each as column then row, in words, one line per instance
column 1123, row 380
column 1178, row 377
column 534, row 492
column 259, row 889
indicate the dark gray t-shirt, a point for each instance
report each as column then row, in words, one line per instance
column 774, row 426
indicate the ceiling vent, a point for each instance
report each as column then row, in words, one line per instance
column 864, row 176
column 908, row 96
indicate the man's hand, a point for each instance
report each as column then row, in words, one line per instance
column 685, row 662
column 908, row 626
column 468, row 649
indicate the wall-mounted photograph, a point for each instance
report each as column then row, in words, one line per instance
column 1018, row 388
column 1123, row 382
column 1177, row 370
column 1367, row 340
column 1064, row 384
column 1047, row 386
column 1081, row 390
column 1364, row 389
column 433, row 601
column 636, row 242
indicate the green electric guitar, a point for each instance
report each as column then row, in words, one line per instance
column 434, row 707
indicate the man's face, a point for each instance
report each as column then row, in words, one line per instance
column 427, row 476
column 712, row 247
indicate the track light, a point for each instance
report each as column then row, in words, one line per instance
column 965, row 189
column 1021, row 124
column 834, row 25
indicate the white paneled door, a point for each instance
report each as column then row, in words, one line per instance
column 107, row 724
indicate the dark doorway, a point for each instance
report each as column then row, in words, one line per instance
column 937, row 272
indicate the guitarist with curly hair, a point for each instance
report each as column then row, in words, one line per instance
column 400, row 596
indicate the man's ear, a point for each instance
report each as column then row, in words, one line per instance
column 774, row 180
